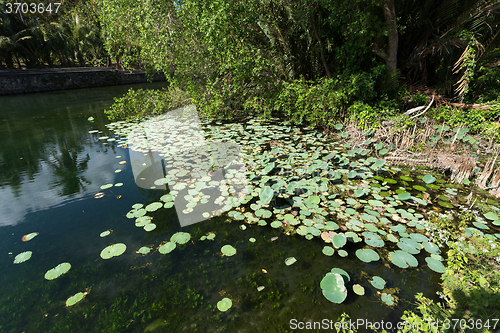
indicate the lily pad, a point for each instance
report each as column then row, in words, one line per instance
column 228, row 250
column 75, row 299
column 367, row 255
column 339, row 241
column 105, row 233
column 154, row 206
column 290, row 261
column 491, row 216
column 57, row 271
column 29, row 237
column 180, row 237
column 114, row 250
column 343, row 273
column 328, row 251
column 429, row 179
column 333, row 288
column 378, row 282
column 22, row 257
column 150, row 227
column 404, row 196
column 402, row 259
column 144, row 250
column 436, row 265
column 167, row 247
column 358, row 289
column 387, row 299
column 224, row 304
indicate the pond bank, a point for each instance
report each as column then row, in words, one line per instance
column 37, row 80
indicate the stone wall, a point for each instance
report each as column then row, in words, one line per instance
column 37, row 80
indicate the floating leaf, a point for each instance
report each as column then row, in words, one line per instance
column 105, row 233
column 378, row 282
column 154, row 206
column 180, row 237
column 260, row 288
column 404, row 196
column 342, row 273
column 491, row 216
column 150, row 227
column 22, row 257
column 436, row 265
column 290, row 261
column 358, row 289
column 224, row 304
column 114, row 250
column 339, row 241
column 29, row 237
column 367, row 255
column 409, row 245
column 144, row 250
column 266, row 194
column 328, row 251
column 228, row 250
column 342, row 253
column 429, row 179
column 387, row 299
column 402, row 259
column 74, row 299
column 57, row 271
column 333, row 288
column 167, row 247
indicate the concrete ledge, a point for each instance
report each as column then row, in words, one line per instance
column 21, row 81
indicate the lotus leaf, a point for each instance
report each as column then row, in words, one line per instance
column 402, row 259
column 290, row 261
column 436, row 265
column 224, row 304
column 404, row 196
column 144, row 250
column 387, row 299
column 343, row 273
column 29, row 237
column 150, row 227
column 342, row 253
column 378, row 282
column 333, row 288
column 105, row 233
column 252, row 240
column 57, row 271
column 167, row 247
column 228, row 250
column 75, row 299
column 339, row 241
column 328, row 251
column 22, row 257
column 419, row 237
column 491, row 216
column 180, row 237
column 429, row 179
column 409, row 245
column 358, row 289
column 114, row 250
column 154, row 206
column 260, row 288
column 266, row 194
column 367, row 255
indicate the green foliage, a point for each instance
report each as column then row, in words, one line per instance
column 470, row 287
column 485, row 86
column 138, row 104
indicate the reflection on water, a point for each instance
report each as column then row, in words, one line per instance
column 46, row 153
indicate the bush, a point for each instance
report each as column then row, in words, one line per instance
column 138, row 104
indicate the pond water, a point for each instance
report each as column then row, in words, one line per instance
column 51, row 169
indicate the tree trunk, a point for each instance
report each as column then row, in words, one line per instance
column 391, row 55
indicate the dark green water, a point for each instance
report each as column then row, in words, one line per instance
column 50, row 170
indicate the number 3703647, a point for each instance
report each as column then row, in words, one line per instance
column 32, row 8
